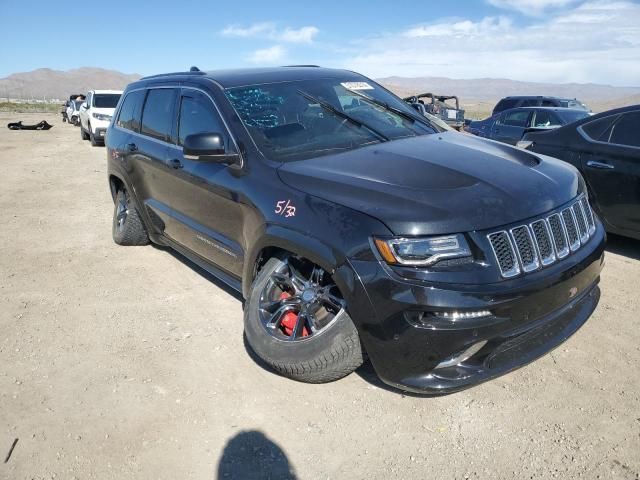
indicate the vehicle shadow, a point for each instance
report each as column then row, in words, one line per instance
column 212, row 278
column 250, row 455
column 625, row 246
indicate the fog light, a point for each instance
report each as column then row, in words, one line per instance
column 461, row 357
column 462, row 315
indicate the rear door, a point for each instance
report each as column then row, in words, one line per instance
column 612, row 169
column 147, row 156
column 205, row 195
column 511, row 125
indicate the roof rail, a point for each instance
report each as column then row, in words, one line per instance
column 310, row 66
column 160, row 75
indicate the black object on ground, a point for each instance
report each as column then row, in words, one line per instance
column 43, row 125
column 13, row 445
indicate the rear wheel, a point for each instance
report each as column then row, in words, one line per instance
column 127, row 228
column 296, row 320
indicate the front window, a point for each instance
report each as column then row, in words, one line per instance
column 310, row 118
column 106, row 100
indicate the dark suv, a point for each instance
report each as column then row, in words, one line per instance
column 538, row 101
column 351, row 224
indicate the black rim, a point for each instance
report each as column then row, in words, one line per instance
column 299, row 301
column 122, row 210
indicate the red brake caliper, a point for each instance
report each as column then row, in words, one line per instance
column 289, row 320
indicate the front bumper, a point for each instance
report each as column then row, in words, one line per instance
column 99, row 127
column 530, row 316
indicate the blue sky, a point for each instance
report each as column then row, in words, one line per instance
column 541, row 40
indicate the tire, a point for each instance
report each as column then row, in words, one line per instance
column 331, row 353
column 83, row 133
column 127, row 228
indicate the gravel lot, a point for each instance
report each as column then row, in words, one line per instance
column 120, row 363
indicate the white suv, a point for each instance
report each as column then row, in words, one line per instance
column 96, row 113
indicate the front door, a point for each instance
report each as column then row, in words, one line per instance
column 205, row 195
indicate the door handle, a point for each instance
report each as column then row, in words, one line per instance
column 600, row 165
column 132, row 147
column 175, row 163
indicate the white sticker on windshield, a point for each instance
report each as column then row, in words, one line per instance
column 356, row 86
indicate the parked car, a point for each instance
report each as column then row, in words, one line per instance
column 437, row 105
column 538, row 101
column 510, row 125
column 606, row 150
column 96, row 113
column 67, row 104
column 73, row 111
column 350, row 224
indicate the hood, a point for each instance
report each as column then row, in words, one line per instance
column 437, row 184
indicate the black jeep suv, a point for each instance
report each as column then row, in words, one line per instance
column 351, row 224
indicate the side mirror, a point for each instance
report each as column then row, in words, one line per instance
column 208, row 147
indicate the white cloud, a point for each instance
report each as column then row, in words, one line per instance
column 531, row 7
column 596, row 41
column 250, row 31
column 270, row 31
column 301, row 35
column 269, row 55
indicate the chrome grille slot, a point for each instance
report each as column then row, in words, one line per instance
column 581, row 222
column 544, row 241
column 570, row 229
column 505, row 255
column 525, row 248
column 559, row 236
column 588, row 214
column 542, row 237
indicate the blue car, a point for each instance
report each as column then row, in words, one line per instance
column 510, row 125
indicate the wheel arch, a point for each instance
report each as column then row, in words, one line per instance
column 279, row 241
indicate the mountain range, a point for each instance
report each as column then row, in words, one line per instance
column 46, row 83
column 476, row 95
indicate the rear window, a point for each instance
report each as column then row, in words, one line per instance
column 626, row 131
column 106, row 100
column 157, row 117
column 596, row 130
column 129, row 116
column 570, row 116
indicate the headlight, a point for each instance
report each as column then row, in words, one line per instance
column 422, row 251
column 101, row 116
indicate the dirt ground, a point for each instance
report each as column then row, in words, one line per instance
column 120, row 363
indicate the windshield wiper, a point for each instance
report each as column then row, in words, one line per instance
column 386, row 106
column 341, row 114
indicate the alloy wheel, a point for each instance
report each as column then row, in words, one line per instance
column 299, row 301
